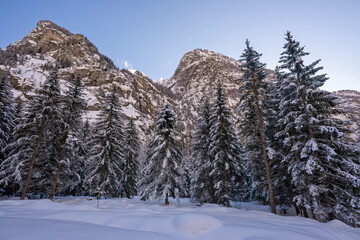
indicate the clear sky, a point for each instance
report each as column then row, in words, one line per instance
column 152, row 35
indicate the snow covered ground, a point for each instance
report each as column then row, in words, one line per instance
column 78, row 218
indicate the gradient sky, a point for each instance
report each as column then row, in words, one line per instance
column 152, row 36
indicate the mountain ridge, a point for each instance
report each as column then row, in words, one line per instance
column 29, row 60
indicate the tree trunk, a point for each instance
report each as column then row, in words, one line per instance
column 32, row 161
column 167, row 199
column 211, row 189
column 226, row 185
column 57, row 175
column 297, row 210
column 263, row 146
column 305, row 212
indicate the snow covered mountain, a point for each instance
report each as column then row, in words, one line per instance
column 30, row 60
column 196, row 78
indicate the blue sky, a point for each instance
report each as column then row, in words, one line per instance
column 152, row 36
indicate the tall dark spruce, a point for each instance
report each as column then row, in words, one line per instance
column 322, row 162
column 227, row 167
column 131, row 168
column 203, row 189
column 161, row 174
column 41, row 118
column 72, row 112
column 79, row 156
column 253, row 92
column 107, row 154
column 7, row 116
column 283, row 189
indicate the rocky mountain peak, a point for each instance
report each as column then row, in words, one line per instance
column 30, row 60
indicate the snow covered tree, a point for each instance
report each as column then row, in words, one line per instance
column 6, row 114
column 107, row 153
column 79, row 155
column 72, row 112
column 323, row 164
column 253, row 92
column 186, row 173
column 227, row 167
column 203, row 189
column 161, row 175
column 41, row 118
column 283, row 191
column 131, row 168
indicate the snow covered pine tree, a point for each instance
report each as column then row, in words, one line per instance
column 41, row 118
column 72, row 112
column 227, row 167
column 131, row 168
column 7, row 112
column 323, row 163
column 203, row 190
column 7, row 116
column 107, row 154
column 252, row 102
column 161, row 174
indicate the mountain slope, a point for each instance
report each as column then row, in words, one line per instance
column 30, row 60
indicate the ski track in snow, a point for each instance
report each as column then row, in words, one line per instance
column 78, row 218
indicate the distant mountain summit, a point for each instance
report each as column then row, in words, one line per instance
column 30, row 60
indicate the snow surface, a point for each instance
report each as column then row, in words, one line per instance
column 78, row 218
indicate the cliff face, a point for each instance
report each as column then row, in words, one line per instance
column 30, row 60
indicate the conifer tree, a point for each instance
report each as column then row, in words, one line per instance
column 41, row 118
column 203, row 189
column 322, row 162
column 283, row 190
column 79, row 155
column 72, row 112
column 161, row 174
column 7, row 116
column 227, row 167
column 131, row 168
column 253, row 92
column 107, row 154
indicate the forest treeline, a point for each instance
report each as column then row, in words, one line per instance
column 285, row 148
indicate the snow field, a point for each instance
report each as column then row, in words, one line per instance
column 78, row 218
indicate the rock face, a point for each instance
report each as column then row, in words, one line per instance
column 30, row 60
column 349, row 102
column 197, row 76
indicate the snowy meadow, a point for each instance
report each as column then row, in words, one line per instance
column 78, row 218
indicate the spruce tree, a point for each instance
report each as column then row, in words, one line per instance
column 227, row 166
column 322, row 162
column 253, row 92
column 79, row 155
column 41, row 118
column 203, row 189
column 72, row 112
column 283, row 190
column 7, row 116
column 161, row 174
column 131, row 168
column 107, row 154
